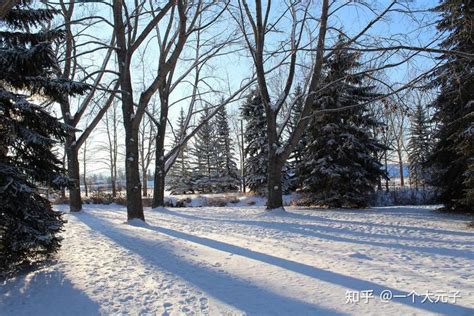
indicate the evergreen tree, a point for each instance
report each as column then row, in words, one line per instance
column 180, row 173
column 296, row 160
column 29, row 226
column 419, row 146
column 452, row 158
column 228, row 174
column 204, row 157
column 341, row 168
column 256, row 150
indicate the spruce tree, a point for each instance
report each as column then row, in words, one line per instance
column 180, row 173
column 255, row 137
column 228, row 174
column 204, row 157
column 341, row 168
column 452, row 158
column 256, row 147
column 419, row 146
column 296, row 159
column 29, row 226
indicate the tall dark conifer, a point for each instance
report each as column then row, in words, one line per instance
column 452, row 158
column 341, row 168
column 296, row 160
column 228, row 174
column 29, row 226
column 204, row 157
column 419, row 146
column 179, row 176
column 256, row 149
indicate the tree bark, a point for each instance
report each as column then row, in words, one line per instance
column 130, row 121
column 400, row 166
column 160, row 161
column 274, row 190
column 84, row 170
column 159, row 180
column 134, row 198
column 275, row 199
column 75, row 200
column 144, row 182
column 386, row 170
column 114, row 186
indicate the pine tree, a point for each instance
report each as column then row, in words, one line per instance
column 419, row 146
column 180, row 173
column 204, row 156
column 256, row 150
column 228, row 174
column 452, row 158
column 29, row 226
column 341, row 168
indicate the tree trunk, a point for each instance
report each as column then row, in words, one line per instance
column 75, row 201
column 160, row 172
column 132, row 173
column 274, row 190
column 63, row 189
column 86, row 189
column 144, row 182
column 159, row 180
column 400, row 165
column 386, row 171
column 130, row 122
column 274, row 187
column 114, row 186
column 84, row 164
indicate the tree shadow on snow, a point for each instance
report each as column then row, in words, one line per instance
column 239, row 294
column 320, row 231
column 328, row 233
column 29, row 294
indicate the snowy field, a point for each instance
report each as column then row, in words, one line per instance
column 233, row 261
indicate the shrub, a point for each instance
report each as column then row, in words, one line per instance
column 303, row 200
column 217, row 201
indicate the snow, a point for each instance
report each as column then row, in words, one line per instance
column 235, row 260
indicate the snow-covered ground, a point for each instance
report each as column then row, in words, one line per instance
column 231, row 261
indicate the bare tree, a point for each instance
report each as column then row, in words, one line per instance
column 69, row 55
column 111, row 121
column 146, row 136
column 396, row 117
column 129, row 37
column 201, row 15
